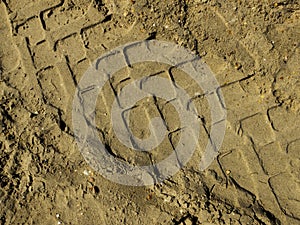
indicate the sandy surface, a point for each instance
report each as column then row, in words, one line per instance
column 252, row 47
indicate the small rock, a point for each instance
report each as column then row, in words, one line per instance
column 188, row 221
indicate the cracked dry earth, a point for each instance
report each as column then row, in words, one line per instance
column 252, row 47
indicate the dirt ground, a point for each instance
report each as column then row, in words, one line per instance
column 252, row 47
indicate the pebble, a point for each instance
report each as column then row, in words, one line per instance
column 87, row 172
column 188, row 222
